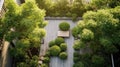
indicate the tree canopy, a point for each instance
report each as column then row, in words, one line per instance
column 24, row 24
column 100, row 31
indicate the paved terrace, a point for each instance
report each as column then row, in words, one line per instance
column 52, row 29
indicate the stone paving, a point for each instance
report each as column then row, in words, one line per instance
column 52, row 28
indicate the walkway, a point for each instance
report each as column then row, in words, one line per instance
column 5, row 58
column 52, row 28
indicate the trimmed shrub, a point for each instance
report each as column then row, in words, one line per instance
column 63, row 55
column 59, row 40
column 51, row 43
column 75, row 32
column 55, row 50
column 46, row 60
column 64, row 26
column 63, row 46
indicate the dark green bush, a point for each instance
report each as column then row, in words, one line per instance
column 76, row 54
column 46, row 60
column 79, row 64
column 64, row 26
column 55, row 50
column 76, row 59
column 59, row 40
column 98, row 61
column 63, row 46
column 51, row 43
column 63, row 55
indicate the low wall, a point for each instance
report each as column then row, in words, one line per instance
column 61, row 18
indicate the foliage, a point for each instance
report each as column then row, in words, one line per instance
column 63, row 55
column 59, row 40
column 24, row 24
column 78, row 45
column 62, row 8
column 51, row 43
column 96, row 4
column 63, row 46
column 87, row 34
column 55, row 50
column 75, row 31
column 98, row 61
column 64, row 26
column 43, row 65
column 99, row 31
column 46, row 60
column 79, row 64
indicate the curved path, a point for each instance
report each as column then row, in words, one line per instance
column 52, row 28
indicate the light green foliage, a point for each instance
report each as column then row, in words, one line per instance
column 100, row 31
column 63, row 46
column 55, row 50
column 78, row 45
column 24, row 24
column 62, row 8
column 64, row 26
column 63, row 55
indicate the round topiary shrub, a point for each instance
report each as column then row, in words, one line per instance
column 46, row 60
column 75, row 32
column 59, row 40
column 64, row 26
column 55, row 50
column 63, row 55
column 51, row 43
column 63, row 46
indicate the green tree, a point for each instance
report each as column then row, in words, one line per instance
column 98, row 61
column 96, row 4
column 24, row 24
column 99, row 31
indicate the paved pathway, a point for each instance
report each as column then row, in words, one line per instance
column 5, row 58
column 52, row 28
